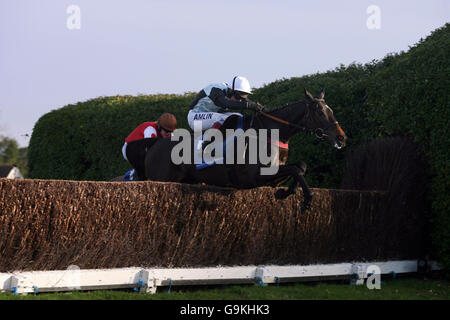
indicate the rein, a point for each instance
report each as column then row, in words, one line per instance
column 285, row 122
column 319, row 132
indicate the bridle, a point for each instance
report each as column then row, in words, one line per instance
column 318, row 132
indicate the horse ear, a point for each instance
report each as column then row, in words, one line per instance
column 308, row 95
column 322, row 94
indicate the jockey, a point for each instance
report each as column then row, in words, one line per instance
column 211, row 101
column 139, row 141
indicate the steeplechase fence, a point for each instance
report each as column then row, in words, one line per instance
column 120, row 234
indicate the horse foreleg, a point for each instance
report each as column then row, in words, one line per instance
column 284, row 193
column 307, row 194
column 296, row 172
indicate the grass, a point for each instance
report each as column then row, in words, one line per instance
column 391, row 289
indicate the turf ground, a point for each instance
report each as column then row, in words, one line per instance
column 391, row 289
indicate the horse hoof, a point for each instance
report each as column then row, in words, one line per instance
column 281, row 194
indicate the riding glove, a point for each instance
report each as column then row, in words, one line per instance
column 254, row 106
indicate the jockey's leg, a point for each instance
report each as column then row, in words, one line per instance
column 202, row 121
column 124, row 151
column 206, row 119
column 136, row 151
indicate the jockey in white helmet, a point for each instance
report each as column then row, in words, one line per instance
column 212, row 102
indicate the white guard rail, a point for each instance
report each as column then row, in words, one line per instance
column 148, row 280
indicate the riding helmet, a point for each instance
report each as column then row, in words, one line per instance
column 168, row 122
column 241, row 84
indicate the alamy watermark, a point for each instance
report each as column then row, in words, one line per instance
column 73, row 22
column 222, row 151
column 372, row 274
column 373, row 21
column 71, row 278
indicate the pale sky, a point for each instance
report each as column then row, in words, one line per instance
column 155, row 46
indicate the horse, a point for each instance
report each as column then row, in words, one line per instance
column 311, row 115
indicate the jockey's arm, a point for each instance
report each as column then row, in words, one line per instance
column 150, row 132
column 221, row 100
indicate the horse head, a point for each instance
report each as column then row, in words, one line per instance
column 320, row 118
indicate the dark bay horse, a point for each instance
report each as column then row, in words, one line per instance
column 310, row 115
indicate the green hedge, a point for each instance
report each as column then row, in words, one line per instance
column 405, row 94
column 409, row 95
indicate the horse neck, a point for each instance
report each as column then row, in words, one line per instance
column 292, row 113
